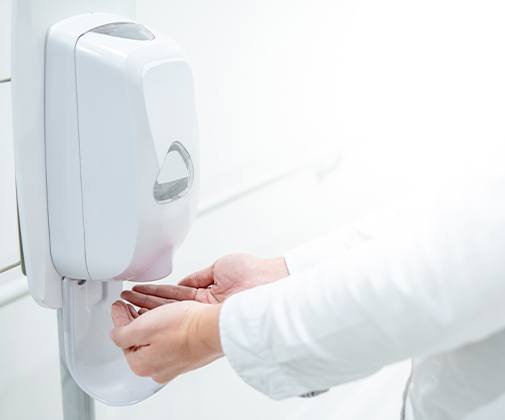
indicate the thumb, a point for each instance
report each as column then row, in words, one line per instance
column 125, row 333
column 199, row 279
column 120, row 313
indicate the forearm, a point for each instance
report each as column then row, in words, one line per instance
column 202, row 334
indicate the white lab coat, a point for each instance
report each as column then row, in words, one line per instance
column 425, row 281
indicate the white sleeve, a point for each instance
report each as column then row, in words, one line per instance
column 432, row 281
column 324, row 248
column 336, row 243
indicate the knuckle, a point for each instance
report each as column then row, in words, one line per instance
column 161, row 379
column 158, row 379
column 139, row 368
column 114, row 335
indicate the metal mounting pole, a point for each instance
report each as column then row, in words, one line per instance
column 77, row 405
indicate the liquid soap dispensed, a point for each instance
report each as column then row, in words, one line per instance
column 121, row 159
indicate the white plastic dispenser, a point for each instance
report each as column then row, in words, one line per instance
column 121, row 172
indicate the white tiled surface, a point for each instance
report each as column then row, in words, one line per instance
column 5, row 38
column 9, row 250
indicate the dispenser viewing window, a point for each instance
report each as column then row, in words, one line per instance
column 176, row 175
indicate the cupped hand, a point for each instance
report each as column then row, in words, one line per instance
column 227, row 276
column 168, row 340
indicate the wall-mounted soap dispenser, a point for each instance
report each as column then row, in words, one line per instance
column 118, row 175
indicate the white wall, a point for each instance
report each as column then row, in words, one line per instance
column 8, row 223
column 400, row 88
column 8, row 220
column 5, row 38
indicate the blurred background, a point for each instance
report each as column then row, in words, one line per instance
column 312, row 114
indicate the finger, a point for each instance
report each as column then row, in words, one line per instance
column 161, row 378
column 133, row 335
column 120, row 314
column 139, row 363
column 144, row 301
column 206, row 296
column 167, row 291
column 128, row 332
column 133, row 312
column 202, row 278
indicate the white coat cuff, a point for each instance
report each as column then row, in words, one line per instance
column 245, row 345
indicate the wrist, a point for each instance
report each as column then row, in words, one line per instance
column 278, row 267
column 206, row 336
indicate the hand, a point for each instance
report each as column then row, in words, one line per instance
column 227, row 276
column 168, row 340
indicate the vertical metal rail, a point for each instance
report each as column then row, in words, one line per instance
column 77, row 405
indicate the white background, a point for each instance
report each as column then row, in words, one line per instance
column 392, row 91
